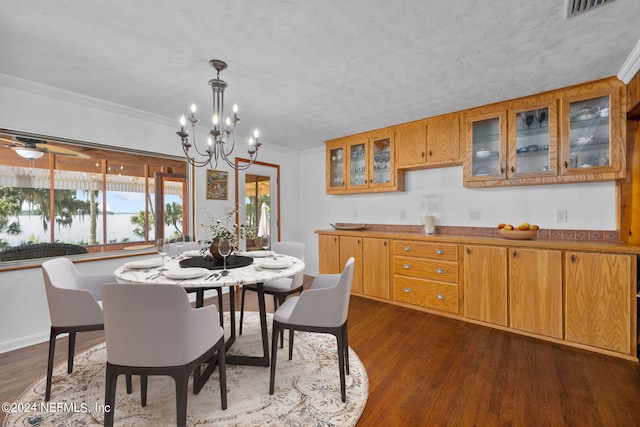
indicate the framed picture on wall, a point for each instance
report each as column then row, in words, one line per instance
column 217, row 185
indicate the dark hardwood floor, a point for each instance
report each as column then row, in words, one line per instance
column 426, row 370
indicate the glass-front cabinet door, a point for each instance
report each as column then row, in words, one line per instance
column 533, row 141
column 336, row 170
column 357, row 150
column 381, row 161
column 590, row 136
column 485, row 160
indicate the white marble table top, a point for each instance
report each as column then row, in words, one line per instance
column 237, row 276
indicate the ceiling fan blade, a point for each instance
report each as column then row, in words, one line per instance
column 10, row 142
column 42, row 146
column 47, row 148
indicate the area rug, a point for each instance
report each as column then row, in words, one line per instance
column 307, row 390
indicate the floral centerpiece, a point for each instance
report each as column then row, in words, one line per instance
column 225, row 228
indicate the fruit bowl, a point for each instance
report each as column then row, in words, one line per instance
column 518, row 234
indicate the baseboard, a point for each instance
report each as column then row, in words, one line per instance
column 24, row 342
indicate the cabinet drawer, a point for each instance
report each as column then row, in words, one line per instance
column 443, row 271
column 441, row 296
column 445, row 251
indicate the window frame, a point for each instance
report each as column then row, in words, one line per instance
column 162, row 166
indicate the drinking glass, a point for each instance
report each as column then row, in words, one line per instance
column 265, row 241
column 224, row 249
column 180, row 244
column 163, row 248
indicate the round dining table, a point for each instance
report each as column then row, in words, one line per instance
column 196, row 274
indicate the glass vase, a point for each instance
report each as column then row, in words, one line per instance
column 429, row 213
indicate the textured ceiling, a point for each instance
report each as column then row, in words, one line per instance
column 307, row 71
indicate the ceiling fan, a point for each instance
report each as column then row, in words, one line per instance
column 32, row 149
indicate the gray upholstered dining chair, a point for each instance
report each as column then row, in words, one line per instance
column 74, row 306
column 279, row 288
column 154, row 330
column 321, row 309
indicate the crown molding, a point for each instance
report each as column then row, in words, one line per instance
column 631, row 65
column 17, row 83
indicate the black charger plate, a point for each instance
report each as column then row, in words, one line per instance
column 233, row 261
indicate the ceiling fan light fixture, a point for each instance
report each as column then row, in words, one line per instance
column 29, row 153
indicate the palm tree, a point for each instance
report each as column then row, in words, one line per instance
column 173, row 216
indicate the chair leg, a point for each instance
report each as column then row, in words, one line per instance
column 181, row 397
column 346, row 347
column 220, row 311
column 340, row 339
column 222, row 372
column 52, row 350
column 110, row 395
column 278, row 300
column 290, row 344
column 143, row 390
column 72, row 350
column 129, row 385
column 242, row 309
column 274, row 355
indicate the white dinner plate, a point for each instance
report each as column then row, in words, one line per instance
column 144, row 263
column 186, row 273
column 275, row 263
column 192, row 254
column 259, row 254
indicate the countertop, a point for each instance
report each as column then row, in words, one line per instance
column 561, row 244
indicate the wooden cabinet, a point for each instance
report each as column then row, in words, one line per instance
column 485, row 284
column 430, row 142
column 352, row 247
column 592, row 137
column 485, row 158
column 581, row 294
column 516, row 143
column 336, row 160
column 371, row 268
column 535, row 291
column 600, row 306
column 363, row 163
column 532, row 136
column 375, row 273
column 575, row 134
column 329, row 251
column 569, row 135
column 426, row 274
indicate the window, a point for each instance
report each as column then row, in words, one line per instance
column 104, row 200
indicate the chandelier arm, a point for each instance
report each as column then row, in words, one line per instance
column 195, row 145
column 233, row 141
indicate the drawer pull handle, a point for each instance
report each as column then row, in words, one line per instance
column 440, row 296
column 407, row 266
column 406, row 248
column 440, row 251
column 440, row 270
column 407, row 290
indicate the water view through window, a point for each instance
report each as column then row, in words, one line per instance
column 101, row 201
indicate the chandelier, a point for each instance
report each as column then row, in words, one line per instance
column 222, row 135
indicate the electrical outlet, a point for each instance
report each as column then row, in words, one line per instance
column 403, row 214
column 474, row 215
column 561, row 215
column 355, row 214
